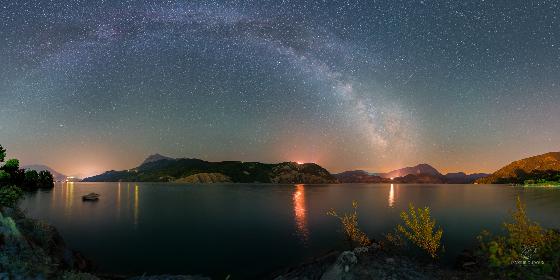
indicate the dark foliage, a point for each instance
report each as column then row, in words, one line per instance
column 12, row 175
column 2, row 153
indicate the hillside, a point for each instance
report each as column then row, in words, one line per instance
column 359, row 176
column 200, row 171
column 415, row 170
column 541, row 167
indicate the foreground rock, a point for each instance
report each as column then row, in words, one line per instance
column 370, row 263
column 32, row 249
column 169, row 277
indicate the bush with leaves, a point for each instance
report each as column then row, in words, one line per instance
column 4, row 177
column 349, row 221
column 527, row 251
column 9, row 196
column 11, row 165
column 31, row 179
column 420, row 229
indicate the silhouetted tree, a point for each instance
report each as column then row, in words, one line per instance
column 4, row 178
column 2, row 153
column 12, row 165
column 31, row 180
column 46, row 179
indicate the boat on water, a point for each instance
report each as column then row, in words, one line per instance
column 90, row 197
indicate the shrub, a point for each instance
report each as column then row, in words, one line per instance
column 394, row 240
column 527, row 250
column 4, row 177
column 46, row 179
column 31, row 179
column 420, row 229
column 349, row 221
column 11, row 165
column 9, row 196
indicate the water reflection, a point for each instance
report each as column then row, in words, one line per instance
column 68, row 197
column 300, row 213
column 136, row 194
column 119, row 201
column 392, row 196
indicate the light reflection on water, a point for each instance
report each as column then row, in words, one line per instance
column 66, row 193
column 392, row 196
column 300, row 213
column 68, row 197
column 136, row 194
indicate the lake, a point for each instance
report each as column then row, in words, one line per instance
column 247, row 230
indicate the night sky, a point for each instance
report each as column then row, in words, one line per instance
column 88, row 86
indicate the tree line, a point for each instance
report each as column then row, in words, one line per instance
column 11, row 175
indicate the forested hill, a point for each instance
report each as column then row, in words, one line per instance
column 542, row 167
column 200, row 171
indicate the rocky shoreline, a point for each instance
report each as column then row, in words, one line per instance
column 31, row 247
column 375, row 262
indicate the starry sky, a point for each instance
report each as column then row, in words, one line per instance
column 88, row 86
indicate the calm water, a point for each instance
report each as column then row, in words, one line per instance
column 249, row 229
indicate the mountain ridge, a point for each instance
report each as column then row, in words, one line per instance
column 540, row 167
column 158, row 168
column 422, row 168
column 421, row 174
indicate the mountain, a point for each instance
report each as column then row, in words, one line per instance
column 199, row 171
column 462, row 178
column 39, row 167
column 156, row 157
column 418, row 169
column 422, row 178
column 546, row 166
column 421, row 174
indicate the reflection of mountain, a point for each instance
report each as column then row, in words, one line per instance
column 545, row 167
column 158, row 168
column 420, row 174
column 38, row 167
